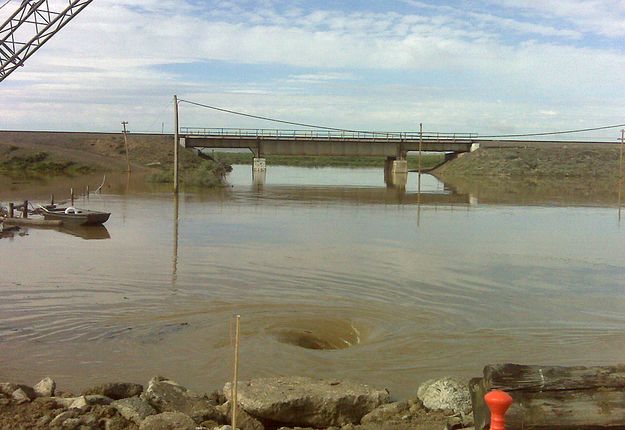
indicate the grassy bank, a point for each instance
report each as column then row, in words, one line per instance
column 39, row 164
column 427, row 160
column 570, row 161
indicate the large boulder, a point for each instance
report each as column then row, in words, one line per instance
column 168, row 421
column 134, row 409
column 445, row 394
column 45, row 387
column 244, row 420
column 301, row 401
column 169, row 396
column 116, row 390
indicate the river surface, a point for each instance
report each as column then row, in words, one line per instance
column 334, row 275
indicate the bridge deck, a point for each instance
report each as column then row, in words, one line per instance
column 325, row 142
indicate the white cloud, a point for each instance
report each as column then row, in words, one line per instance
column 443, row 69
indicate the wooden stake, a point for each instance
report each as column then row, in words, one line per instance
column 176, row 137
column 87, row 191
column 25, row 210
column 236, row 372
column 11, row 210
column 71, row 196
column 51, row 199
column 124, row 123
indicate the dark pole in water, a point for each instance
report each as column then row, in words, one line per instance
column 11, row 210
column 176, row 144
column 25, row 210
column 71, row 196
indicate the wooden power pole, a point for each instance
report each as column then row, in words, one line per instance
column 176, row 138
column 125, row 123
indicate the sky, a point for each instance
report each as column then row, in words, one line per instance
column 481, row 66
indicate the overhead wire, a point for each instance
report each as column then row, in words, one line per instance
column 321, row 127
column 299, row 124
column 5, row 3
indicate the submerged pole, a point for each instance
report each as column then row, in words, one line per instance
column 176, row 137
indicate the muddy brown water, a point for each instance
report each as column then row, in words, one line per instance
column 334, row 275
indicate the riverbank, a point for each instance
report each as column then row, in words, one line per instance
column 270, row 403
column 562, row 161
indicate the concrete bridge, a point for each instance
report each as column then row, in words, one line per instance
column 263, row 142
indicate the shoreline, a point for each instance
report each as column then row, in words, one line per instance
column 263, row 404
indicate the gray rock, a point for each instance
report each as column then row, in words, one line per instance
column 244, row 420
column 168, row 421
column 134, row 409
column 79, row 403
column 60, row 418
column 7, row 388
column 445, row 394
column 20, row 396
column 386, row 412
column 43, row 421
column 116, row 390
column 169, row 396
column 304, row 402
column 45, row 387
column 71, row 423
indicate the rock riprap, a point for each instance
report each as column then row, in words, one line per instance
column 301, row 401
column 445, row 394
column 168, row 396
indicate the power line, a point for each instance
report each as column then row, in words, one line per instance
column 5, row 3
column 551, row 133
column 300, row 124
column 548, row 133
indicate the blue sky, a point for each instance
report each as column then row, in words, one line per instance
column 484, row 66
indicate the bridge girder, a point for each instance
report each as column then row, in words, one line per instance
column 29, row 28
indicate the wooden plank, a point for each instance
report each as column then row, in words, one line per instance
column 33, row 222
column 511, row 377
column 567, row 409
column 554, row 397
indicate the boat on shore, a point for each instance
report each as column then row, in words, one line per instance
column 74, row 216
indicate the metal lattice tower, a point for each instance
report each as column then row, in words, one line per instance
column 29, row 27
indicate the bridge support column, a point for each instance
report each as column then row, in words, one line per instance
column 258, row 164
column 395, row 173
column 259, row 177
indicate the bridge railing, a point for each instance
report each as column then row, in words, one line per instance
column 262, row 133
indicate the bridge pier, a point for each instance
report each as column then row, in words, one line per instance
column 395, row 173
column 259, row 177
column 394, row 165
column 258, row 164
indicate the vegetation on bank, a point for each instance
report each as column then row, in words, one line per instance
column 39, row 164
column 562, row 161
column 205, row 174
column 428, row 160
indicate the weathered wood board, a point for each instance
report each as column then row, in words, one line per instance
column 554, row 397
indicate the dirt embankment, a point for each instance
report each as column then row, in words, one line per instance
column 85, row 151
column 561, row 161
column 564, row 174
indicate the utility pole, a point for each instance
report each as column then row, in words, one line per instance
column 176, row 144
column 125, row 123
column 621, row 156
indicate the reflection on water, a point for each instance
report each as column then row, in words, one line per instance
column 334, row 275
column 93, row 232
